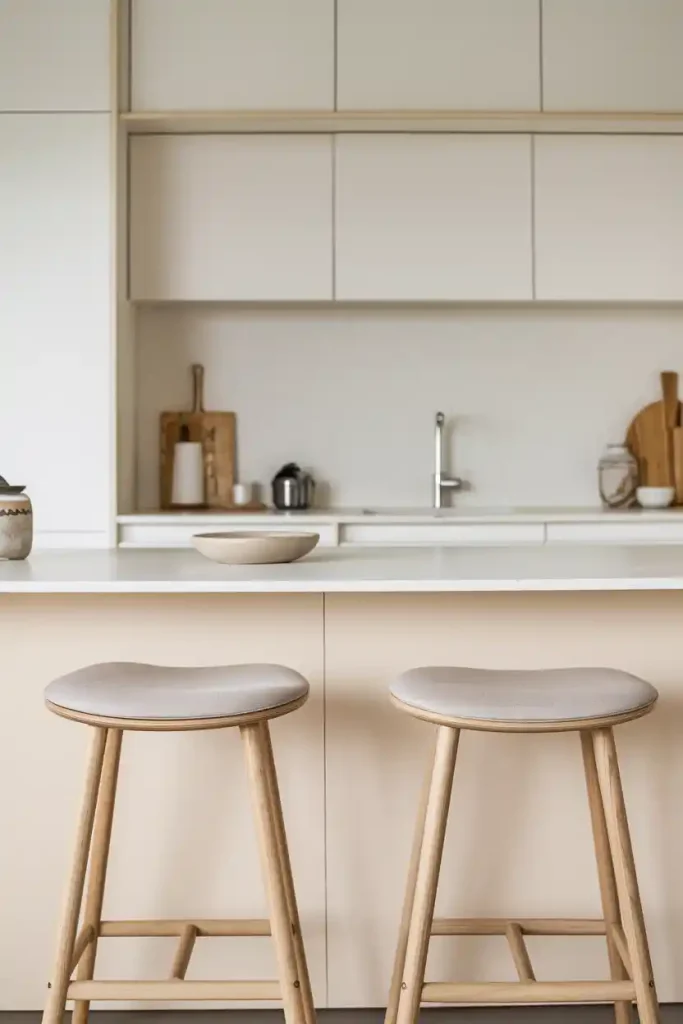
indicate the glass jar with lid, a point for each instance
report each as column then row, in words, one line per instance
column 617, row 477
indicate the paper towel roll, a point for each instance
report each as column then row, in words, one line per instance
column 188, row 474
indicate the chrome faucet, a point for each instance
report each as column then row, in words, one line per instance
column 442, row 483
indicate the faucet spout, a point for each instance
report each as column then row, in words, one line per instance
column 441, row 482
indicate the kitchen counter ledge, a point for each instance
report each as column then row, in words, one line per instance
column 370, row 570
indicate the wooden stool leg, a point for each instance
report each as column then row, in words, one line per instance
column 409, row 899
column 256, row 756
column 625, row 872
column 608, row 885
column 428, row 875
column 286, row 872
column 56, row 1000
column 99, row 857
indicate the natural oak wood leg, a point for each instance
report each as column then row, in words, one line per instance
column 428, row 874
column 256, row 755
column 56, row 1000
column 286, row 872
column 402, row 944
column 625, row 872
column 603, row 856
column 99, row 857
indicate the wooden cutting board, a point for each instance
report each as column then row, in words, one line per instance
column 650, row 436
column 216, row 432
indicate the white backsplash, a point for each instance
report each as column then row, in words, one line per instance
column 532, row 393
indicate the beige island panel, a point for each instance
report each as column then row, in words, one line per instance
column 351, row 766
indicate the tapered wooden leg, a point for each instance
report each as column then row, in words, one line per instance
column 625, row 873
column 256, row 755
column 402, row 944
column 428, row 875
column 99, row 856
column 56, row 1000
column 286, row 872
column 603, row 856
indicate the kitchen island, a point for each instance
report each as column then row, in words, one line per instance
column 351, row 766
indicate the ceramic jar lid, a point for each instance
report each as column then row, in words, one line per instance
column 7, row 489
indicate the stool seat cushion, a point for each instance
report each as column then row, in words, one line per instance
column 136, row 691
column 552, row 695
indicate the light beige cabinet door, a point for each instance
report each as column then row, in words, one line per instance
column 438, row 54
column 55, row 342
column 612, row 55
column 231, row 217
column 184, row 842
column 54, row 55
column 609, row 217
column 232, row 54
column 442, row 217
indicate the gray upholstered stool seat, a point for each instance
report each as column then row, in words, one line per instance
column 523, row 697
column 128, row 690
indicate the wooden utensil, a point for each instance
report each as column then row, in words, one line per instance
column 216, row 432
column 651, row 436
column 678, row 464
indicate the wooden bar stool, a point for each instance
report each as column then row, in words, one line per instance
column 112, row 698
column 587, row 701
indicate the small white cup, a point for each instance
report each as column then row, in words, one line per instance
column 241, row 494
column 655, row 497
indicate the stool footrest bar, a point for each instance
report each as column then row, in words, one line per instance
column 528, row 926
column 207, row 928
column 174, row 990
column 528, row 992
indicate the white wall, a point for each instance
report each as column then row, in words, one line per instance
column 534, row 393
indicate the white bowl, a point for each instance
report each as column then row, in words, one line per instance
column 254, row 548
column 655, row 497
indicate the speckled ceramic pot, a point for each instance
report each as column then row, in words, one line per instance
column 16, row 525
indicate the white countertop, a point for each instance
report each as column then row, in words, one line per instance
column 377, row 514
column 370, row 570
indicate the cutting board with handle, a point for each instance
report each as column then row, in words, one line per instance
column 216, row 432
column 651, row 434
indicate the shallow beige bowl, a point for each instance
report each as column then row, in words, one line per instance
column 254, row 548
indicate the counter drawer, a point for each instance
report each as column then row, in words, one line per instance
column 616, row 533
column 441, row 533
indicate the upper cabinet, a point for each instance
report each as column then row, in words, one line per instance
column 438, row 54
column 609, row 218
column 231, row 217
column 54, row 55
column 232, row 54
column 619, row 55
column 433, row 217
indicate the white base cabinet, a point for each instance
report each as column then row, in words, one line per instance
column 231, row 217
column 55, row 320
column 609, row 218
column 433, row 217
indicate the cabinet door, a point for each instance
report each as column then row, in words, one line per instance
column 612, row 55
column 54, row 55
column 233, row 54
column 433, row 217
column 55, row 352
column 434, row 54
column 609, row 217
column 231, row 217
